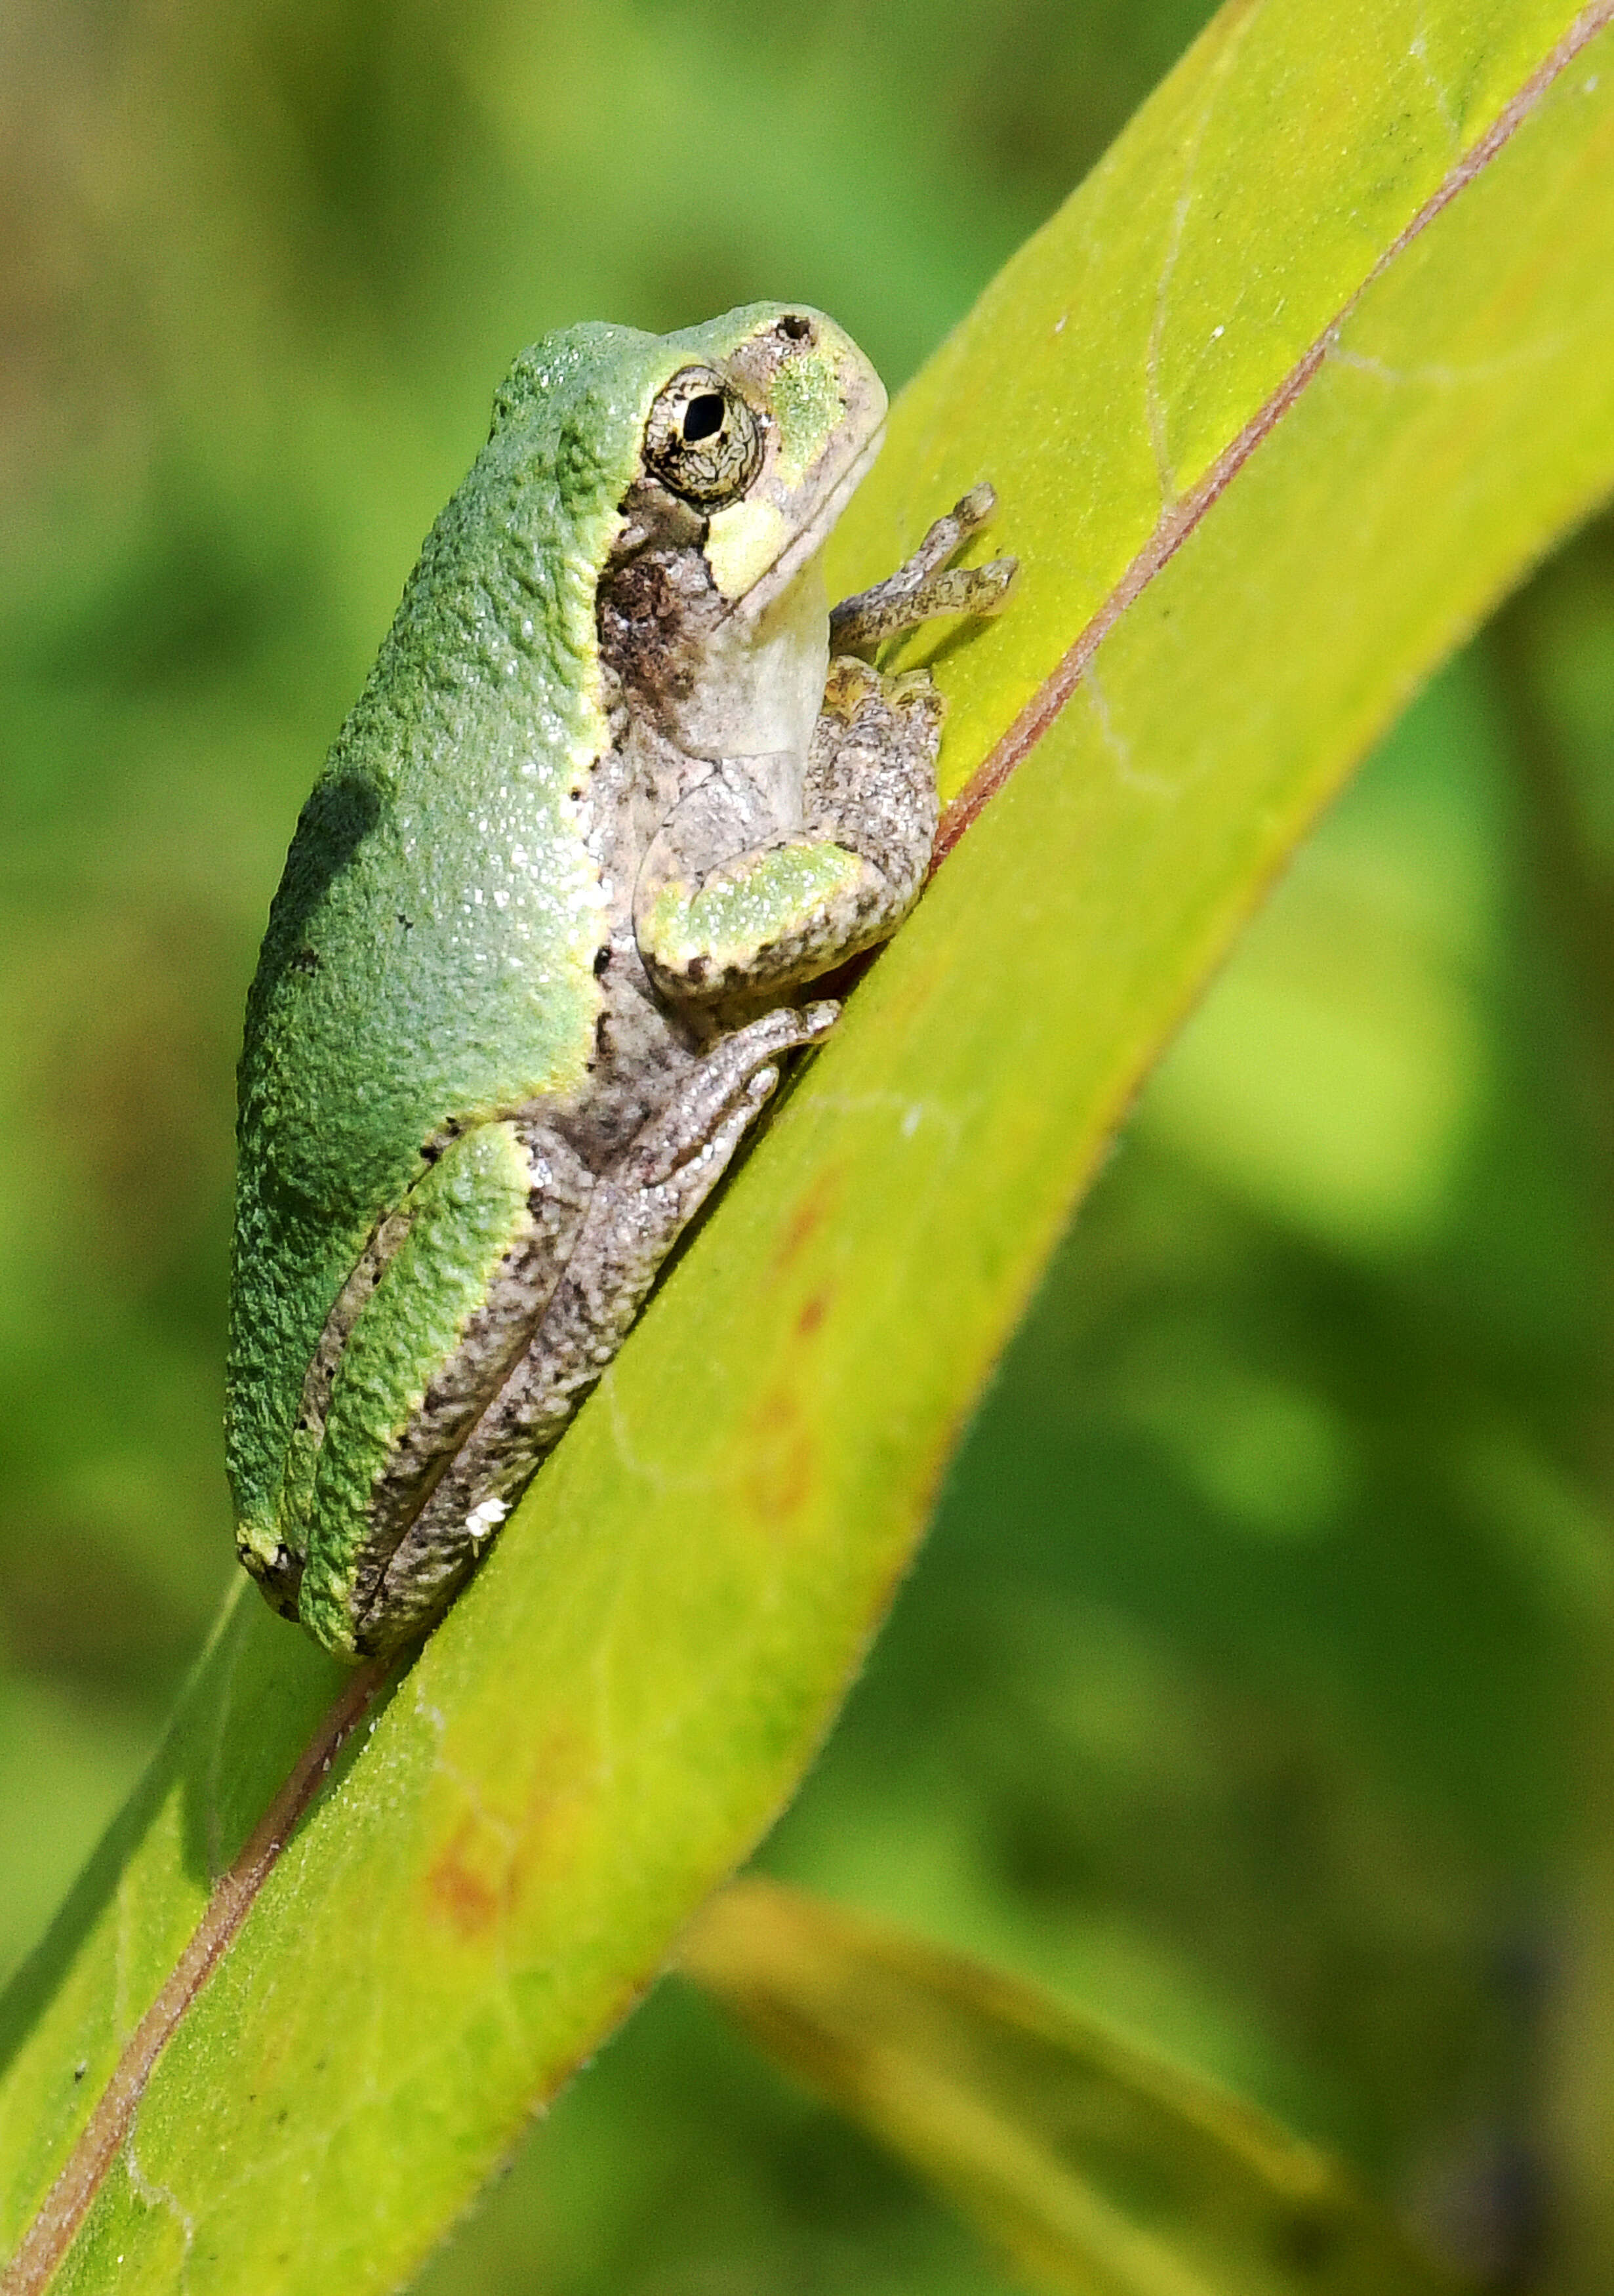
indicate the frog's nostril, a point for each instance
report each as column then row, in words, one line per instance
column 795, row 328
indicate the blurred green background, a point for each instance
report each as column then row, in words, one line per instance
column 1254, row 1684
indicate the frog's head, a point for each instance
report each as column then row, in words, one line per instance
column 766, row 428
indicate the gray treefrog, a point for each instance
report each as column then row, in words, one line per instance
column 619, row 784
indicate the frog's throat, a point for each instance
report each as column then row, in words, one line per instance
column 776, row 578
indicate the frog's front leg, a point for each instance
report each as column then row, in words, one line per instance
column 635, row 1212
column 928, row 583
column 732, row 901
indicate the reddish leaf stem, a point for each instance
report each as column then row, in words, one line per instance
column 1180, row 517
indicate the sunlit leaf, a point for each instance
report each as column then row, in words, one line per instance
column 1311, row 368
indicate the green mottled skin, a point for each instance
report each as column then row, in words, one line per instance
column 397, row 995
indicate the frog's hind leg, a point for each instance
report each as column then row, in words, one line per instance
column 484, row 1234
column 637, row 1212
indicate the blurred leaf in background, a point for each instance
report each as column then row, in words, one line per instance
column 1236, row 1692
column 1097, row 2167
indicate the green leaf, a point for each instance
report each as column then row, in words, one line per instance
column 1098, row 2167
column 1312, row 367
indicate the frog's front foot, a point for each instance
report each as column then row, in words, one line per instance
column 927, row 584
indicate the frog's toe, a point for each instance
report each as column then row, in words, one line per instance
column 989, row 586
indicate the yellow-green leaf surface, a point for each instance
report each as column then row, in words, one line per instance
column 1311, row 368
column 1098, row 2168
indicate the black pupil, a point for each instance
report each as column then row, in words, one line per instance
column 702, row 417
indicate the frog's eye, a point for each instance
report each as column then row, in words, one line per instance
column 701, row 439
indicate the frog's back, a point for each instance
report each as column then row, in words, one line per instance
column 429, row 955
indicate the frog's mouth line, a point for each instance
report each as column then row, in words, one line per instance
column 803, row 546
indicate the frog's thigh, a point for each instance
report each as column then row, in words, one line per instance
column 767, row 918
column 491, row 1225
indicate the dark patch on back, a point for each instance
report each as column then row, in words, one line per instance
column 342, row 811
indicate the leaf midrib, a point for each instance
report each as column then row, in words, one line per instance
column 1181, row 514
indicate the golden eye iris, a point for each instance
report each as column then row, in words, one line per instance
column 701, row 439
